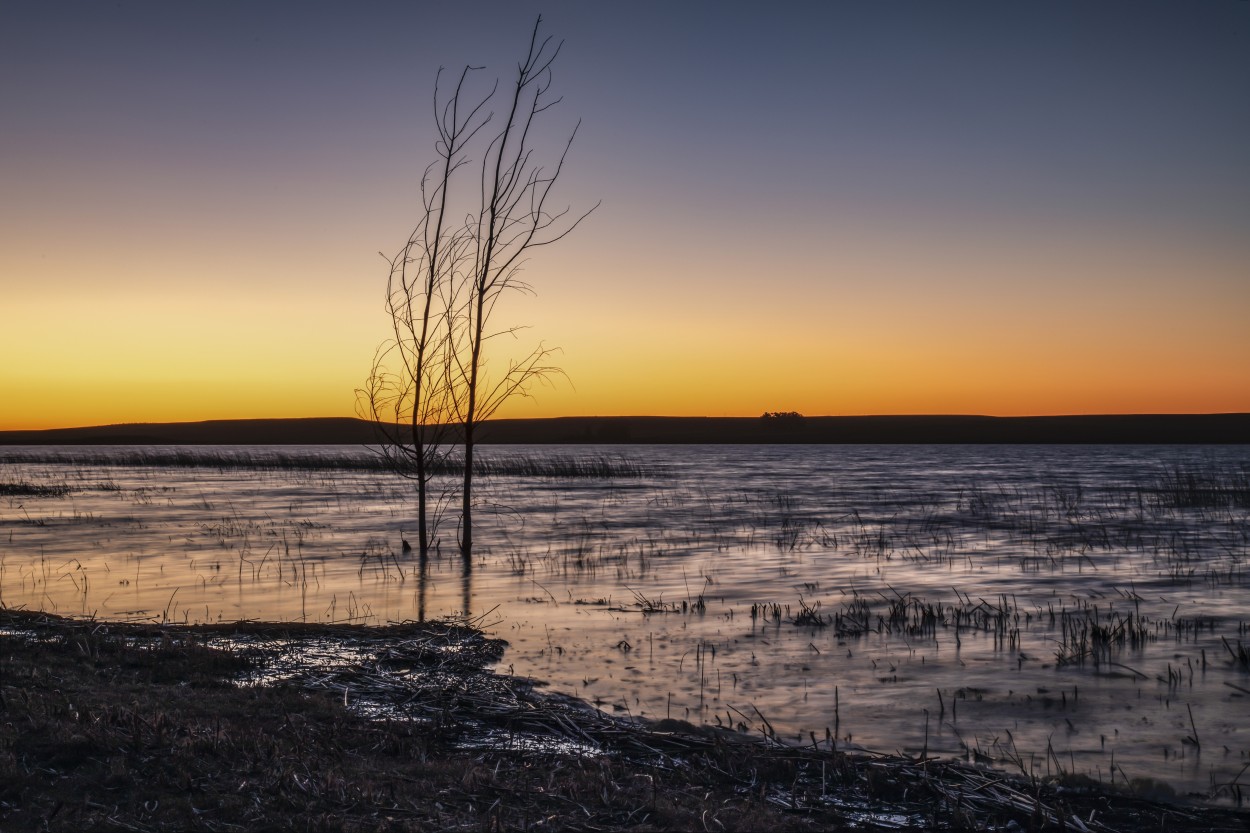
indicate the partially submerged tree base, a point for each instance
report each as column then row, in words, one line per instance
column 129, row 727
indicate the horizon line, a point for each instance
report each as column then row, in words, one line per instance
column 927, row 415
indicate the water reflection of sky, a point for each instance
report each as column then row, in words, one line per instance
column 1044, row 535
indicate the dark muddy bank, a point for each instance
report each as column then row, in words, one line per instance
column 251, row 726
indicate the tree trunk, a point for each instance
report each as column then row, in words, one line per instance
column 466, row 506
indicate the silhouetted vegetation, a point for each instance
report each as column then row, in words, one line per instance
column 475, row 233
column 1212, row 487
column 24, row 489
column 545, row 465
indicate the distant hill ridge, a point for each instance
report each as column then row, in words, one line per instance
column 780, row 428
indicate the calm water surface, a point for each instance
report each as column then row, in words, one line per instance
column 1038, row 608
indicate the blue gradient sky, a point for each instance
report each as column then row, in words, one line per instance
column 832, row 208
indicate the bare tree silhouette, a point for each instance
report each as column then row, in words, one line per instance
column 411, row 387
column 512, row 220
column 431, row 383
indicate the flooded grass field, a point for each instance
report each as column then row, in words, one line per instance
column 1048, row 610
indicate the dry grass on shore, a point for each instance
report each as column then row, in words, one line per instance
column 145, row 728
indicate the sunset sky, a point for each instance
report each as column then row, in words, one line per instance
column 833, row 208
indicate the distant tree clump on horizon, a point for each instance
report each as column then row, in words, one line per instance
column 782, row 416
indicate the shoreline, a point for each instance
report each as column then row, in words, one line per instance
column 145, row 726
column 1162, row 429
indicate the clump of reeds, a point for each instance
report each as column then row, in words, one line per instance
column 809, row 615
column 855, row 618
column 1241, row 657
column 1191, row 487
column 576, row 467
column 764, row 611
column 1087, row 636
column 912, row 616
column 21, row 488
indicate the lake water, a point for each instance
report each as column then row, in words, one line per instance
column 1042, row 609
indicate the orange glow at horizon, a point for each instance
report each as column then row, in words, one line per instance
column 1003, row 219
column 139, row 362
column 1135, row 343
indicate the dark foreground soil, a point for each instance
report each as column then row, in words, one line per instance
column 144, row 728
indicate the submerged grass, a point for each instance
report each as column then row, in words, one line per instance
column 1174, row 531
column 1209, row 487
column 561, row 466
